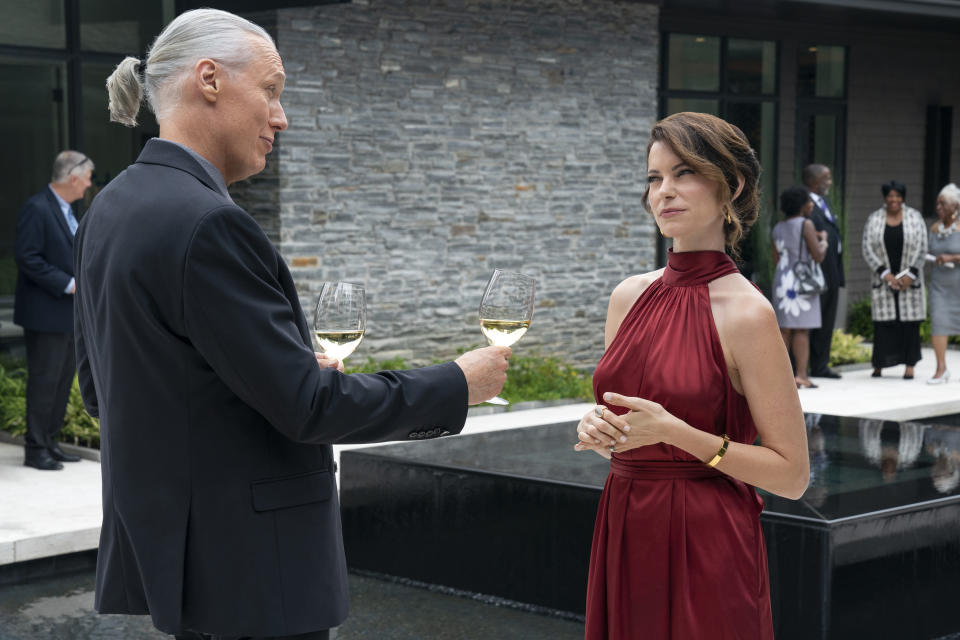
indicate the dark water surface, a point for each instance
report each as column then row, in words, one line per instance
column 61, row 608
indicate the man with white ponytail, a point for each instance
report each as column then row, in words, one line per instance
column 44, row 305
column 220, row 511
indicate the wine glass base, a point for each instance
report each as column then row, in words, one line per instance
column 498, row 400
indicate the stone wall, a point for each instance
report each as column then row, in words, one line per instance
column 432, row 141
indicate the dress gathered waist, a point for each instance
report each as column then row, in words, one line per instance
column 661, row 470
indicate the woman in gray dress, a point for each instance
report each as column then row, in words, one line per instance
column 794, row 239
column 944, row 244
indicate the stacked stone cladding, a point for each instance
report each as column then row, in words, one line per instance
column 433, row 141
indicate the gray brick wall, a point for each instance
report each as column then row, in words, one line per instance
column 433, row 141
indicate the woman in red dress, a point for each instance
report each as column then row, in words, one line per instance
column 694, row 370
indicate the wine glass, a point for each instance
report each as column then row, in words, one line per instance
column 340, row 318
column 506, row 310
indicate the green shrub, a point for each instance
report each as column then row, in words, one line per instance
column 859, row 320
column 530, row 377
column 536, row 377
column 373, row 366
column 847, row 349
column 13, row 400
column 78, row 428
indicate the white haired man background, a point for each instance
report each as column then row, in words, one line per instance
column 221, row 515
column 44, row 305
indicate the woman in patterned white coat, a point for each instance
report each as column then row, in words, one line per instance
column 895, row 246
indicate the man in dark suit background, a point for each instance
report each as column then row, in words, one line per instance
column 818, row 179
column 220, row 510
column 44, row 305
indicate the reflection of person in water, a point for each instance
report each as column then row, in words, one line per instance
column 945, row 471
column 892, row 449
column 816, row 493
column 943, row 444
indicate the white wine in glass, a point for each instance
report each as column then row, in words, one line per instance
column 506, row 310
column 503, row 333
column 340, row 319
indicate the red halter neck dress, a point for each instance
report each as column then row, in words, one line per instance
column 678, row 551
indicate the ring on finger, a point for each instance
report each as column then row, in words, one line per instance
column 598, row 410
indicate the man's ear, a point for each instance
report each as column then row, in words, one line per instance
column 740, row 183
column 209, row 79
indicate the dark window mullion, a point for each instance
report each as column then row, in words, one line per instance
column 724, row 75
column 71, row 13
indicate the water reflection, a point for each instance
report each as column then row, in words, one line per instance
column 891, row 446
column 817, row 492
column 895, row 447
column 943, row 445
column 860, row 465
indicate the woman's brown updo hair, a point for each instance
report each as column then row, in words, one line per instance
column 720, row 152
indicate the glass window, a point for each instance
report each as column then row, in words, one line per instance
column 700, row 105
column 32, row 118
column 121, row 26
column 822, row 72
column 751, row 67
column 757, row 120
column 38, row 23
column 694, row 63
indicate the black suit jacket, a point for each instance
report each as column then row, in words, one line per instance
column 44, row 255
column 220, row 509
column 832, row 264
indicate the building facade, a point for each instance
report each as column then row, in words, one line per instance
column 432, row 141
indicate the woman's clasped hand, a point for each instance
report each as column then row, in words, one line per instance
column 604, row 431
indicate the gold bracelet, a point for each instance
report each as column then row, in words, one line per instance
column 723, row 449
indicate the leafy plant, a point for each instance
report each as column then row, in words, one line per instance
column 373, row 366
column 78, row 428
column 859, row 318
column 13, row 400
column 536, row 377
column 847, row 349
column 530, row 377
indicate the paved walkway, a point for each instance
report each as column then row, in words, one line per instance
column 46, row 513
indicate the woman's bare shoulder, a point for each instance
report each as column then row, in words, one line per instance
column 737, row 300
column 627, row 292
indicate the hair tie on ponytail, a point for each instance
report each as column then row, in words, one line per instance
column 143, row 72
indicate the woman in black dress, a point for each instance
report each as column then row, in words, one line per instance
column 895, row 246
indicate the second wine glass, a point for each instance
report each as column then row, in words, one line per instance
column 340, row 318
column 506, row 310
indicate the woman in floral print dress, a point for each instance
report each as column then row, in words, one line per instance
column 796, row 314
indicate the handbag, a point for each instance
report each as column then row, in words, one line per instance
column 807, row 274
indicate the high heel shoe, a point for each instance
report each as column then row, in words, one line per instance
column 943, row 379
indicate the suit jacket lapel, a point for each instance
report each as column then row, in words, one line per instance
column 58, row 215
